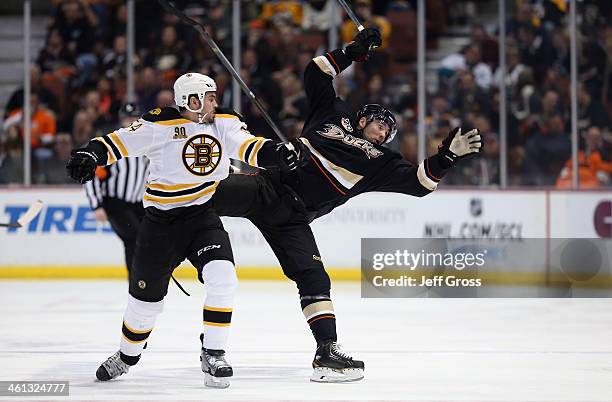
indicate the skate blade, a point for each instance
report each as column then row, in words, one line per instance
column 215, row 382
column 325, row 374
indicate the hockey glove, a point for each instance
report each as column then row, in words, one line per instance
column 459, row 145
column 363, row 42
column 82, row 165
column 292, row 154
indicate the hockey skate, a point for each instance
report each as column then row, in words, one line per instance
column 112, row 368
column 330, row 364
column 216, row 369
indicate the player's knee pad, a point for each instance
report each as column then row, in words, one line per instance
column 144, row 308
column 220, row 277
column 312, row 282
column 148, row 291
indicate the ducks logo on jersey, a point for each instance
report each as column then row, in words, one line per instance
column 202, row 154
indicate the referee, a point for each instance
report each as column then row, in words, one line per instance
column 115, row 194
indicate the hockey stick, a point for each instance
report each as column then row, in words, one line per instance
column 351, row 15
column 171, row 8
column 354, row 18
column 27, row 217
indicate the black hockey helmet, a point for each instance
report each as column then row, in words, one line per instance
column 374, row 111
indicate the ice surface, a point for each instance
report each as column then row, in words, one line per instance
column 414, row 349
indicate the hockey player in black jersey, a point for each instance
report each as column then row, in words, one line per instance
column 347, row 158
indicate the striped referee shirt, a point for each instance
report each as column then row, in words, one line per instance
column 124, row 180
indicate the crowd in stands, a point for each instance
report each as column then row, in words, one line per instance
column 79, row 78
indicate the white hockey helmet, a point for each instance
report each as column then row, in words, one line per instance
column 192, row 84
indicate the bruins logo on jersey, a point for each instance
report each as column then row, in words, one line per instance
column 202, row 154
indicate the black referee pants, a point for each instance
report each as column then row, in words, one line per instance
column 125, row 218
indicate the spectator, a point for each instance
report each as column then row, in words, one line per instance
column 54, row 56
column 170, row 56
column 591, row 111
column 92, row 104
column 108, row 105
column 53, row 170
column 481, row 71
column 316, row 15
column 165, row 98
column 220, row 19
column 469, row 97
column 11, row 162
column 560, row 43
column 373, row 93
column 82, row 128
column 45, row 96
column 545, row 108
column 363, row 10
column 379, row 59
column 546, row 152
column 536, row 50
column 147, row 87
column 409, row 147
column 488, row 46
column 469, row 59
column 76, row 23
column 114, row 62
column 289, row 10
column 593, row 170
column 514, row 69
column 43, row 124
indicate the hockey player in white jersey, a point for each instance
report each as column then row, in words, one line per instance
column 189, row 148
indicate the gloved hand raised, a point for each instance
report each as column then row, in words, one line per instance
column 459, row 145
column 82, row 165
column 363, row 42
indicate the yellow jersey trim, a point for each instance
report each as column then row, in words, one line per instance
column 172, row 122
column 115, row 138
column 109, row 151
column 227, row 116
column 216, row 324
column 244, row 146
column 174, row 200
column 219, row 309
column 170, row 187
column 139, row 332
column 255, row 151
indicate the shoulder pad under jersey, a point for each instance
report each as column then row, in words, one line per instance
column 227, row 111
column 165, row 116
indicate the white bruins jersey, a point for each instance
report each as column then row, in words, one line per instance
column 187, row 159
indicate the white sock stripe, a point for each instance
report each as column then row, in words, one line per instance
column 325, row 65
column 425, row 181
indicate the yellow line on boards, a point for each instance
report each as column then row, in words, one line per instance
column 120, row 272
column 516, row 278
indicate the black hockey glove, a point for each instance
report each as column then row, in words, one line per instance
column 82, row 165
column 459, row 145
column 363, row 42
column 292, row 154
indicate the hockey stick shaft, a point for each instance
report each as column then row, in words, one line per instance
column 10, row 225
column 351, row 14
column 200, row 28
column 27, row 217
